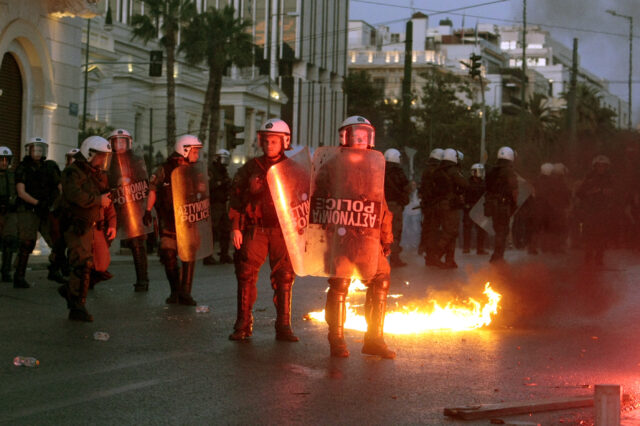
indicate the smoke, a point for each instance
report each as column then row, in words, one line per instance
column 539, row 295
column 603, row 54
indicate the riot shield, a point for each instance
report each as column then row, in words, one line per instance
column 289, row 184
column 525, row 189
column 129, row 182
column 190, row 189
column 347, row 194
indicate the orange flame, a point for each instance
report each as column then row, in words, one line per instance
column 454, row 316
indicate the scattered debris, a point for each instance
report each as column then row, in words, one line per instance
column 521, row 407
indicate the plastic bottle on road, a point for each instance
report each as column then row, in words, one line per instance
column 25, row 361
column 101, row 335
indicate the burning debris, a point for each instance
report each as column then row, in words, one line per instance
column 437, row 315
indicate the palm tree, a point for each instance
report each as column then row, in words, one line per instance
column 166, row 17
column 218, row 38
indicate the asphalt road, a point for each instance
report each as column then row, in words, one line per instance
column 561, row 329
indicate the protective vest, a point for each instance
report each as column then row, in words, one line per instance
column 40, row 178
column 8, row 193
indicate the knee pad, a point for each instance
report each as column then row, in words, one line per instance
column 283, row 280
column 167, row 256
column 339, row 285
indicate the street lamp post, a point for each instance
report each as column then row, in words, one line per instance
column 630, row 18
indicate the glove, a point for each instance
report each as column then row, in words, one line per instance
column 386, row 249
column 147, row 219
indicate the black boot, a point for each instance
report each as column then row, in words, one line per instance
column 78, row 311
column 56, row 275
column 335, row 315
column 139, row 253
column 6, row 265
column 186, row 282
column 243, row 328
column 374, row 311
column 282, row 300
column 21, row 269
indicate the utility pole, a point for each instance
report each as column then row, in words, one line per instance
column 523, row 92
column 406, row 81
column 86, row 79
column 630, row 18
column 572, row 106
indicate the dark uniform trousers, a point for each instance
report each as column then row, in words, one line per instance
column 501, row 217
column 257, row 243
column 396, row 210
column 445, row 237
column 80, row 260
column 467, row 226
column 220, row 226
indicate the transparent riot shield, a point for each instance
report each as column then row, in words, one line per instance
column 190, row 189
column 525, row 189
column 289, row 183
column 347, row 193
column 130, row 188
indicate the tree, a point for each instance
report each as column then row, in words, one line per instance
column 166, row 17
column 220, row 39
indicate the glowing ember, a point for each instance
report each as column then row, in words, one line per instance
column 454, row 316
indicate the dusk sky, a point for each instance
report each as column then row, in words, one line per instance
column 603, row 39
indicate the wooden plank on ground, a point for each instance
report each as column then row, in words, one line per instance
column 482, row 411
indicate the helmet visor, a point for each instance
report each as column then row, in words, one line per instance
column 359, row 136
column 37, row 150
column 101, row 160
column 120, row 143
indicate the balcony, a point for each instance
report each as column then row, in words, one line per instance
column 393, row 57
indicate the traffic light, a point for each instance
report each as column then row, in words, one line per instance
column 474, row 70
column 155, row 63
column 235, row 136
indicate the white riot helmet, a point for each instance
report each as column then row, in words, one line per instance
column 392, row 155
column 5, row 156
column 279, row 127
column 560, row 169
column 120, row 140
column 37, row 143
column 357, row 130
column 546, row 169
column 69, row 156
column 223, row 156
column 460, row 156
column 601, row 159
column 185, row 143
column 97, row 147
column 477, row 170
column 450, row 154
column 506, row 153
column 437, row 154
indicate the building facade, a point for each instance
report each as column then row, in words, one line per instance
column 44, row 49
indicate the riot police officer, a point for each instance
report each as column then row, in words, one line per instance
column 396, row 192
column 256, row 233
column 357, row 133
column 37, row 186
column 8, row 224
column 85, row 193
column 501, row 199
column 186, row 151
column 427, row 204
column 596, row 197
column 448, row 195
column 129, row 183
column 219, row 189
column 472, row 195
